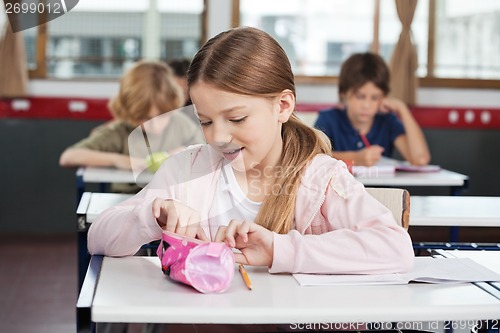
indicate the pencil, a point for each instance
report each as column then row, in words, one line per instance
column 365, row 140
column 245, row 277
column 147, row 143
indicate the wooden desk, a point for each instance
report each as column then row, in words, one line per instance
column 133, row 289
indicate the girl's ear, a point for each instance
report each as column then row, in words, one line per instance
column 286, row 101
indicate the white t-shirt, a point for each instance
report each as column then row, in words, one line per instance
column 230, row 202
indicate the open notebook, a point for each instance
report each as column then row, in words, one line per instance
column 390, row 166
column 426, row 269
column 404, row 166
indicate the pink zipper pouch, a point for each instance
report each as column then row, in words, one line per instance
column 206, row 266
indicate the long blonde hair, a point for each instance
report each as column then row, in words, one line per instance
column 248, row 61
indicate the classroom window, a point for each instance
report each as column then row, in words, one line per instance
column 318, row 35
column 457, row 41
column 30, row 42
column 101, row 39
column 181, row 26
column 468, row 39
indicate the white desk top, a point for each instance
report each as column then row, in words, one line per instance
column 454, row 211
column 93, row 204
column 440, row 178
column 133, row 289
column 112, row 175
column 424, row 210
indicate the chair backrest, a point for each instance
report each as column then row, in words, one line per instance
column 397, row 200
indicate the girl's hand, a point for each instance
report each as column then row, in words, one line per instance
column 176, row 217
column 254, row 241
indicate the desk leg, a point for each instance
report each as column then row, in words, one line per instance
column 458, row 190
column 454, row 234
column 80, row 185
column 83, row 256
column 104, row 187
column 455, row 191
column 84, row 304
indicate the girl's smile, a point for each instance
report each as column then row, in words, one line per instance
column 231, row 154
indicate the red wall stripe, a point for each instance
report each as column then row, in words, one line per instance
column 55, row 108
column 96, row 109
column 440, row 116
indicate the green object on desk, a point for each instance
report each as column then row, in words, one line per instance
column 155, row 160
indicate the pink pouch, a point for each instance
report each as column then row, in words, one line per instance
column 206, row 266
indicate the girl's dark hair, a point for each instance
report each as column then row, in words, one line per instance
column 361, row 68
column 179, row 66
column 249, row 61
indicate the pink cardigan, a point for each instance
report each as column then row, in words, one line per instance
column 339, row 227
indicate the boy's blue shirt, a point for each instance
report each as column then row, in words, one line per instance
column 335, row 124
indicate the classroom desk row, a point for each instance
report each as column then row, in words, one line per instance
column 134, row 290
column 455, row 181
column 424, row 210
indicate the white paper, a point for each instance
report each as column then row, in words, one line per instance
column 417, row 168
column 426, row 269
column 373, row 171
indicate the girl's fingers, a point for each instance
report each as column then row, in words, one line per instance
column 157, row 203
column 200, row 234
column 181, row 228
column 237, row 229
column 230, row 232
column 177, row 218
column 243, row 230
column 221, row 234
column 172, row 219
column 192, row 225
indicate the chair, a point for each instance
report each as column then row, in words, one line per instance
column 397, row 200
